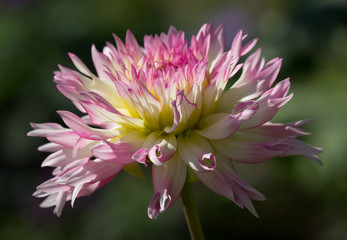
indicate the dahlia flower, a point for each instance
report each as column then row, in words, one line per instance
column 166, row 106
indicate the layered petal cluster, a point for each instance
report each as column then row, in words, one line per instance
column 165, row 105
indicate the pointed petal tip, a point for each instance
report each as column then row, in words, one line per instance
column 315, row 157
column 94, row 49
column 239, row 33
column 30, row 134
column 63, row 113
column 71, row 55
column 57, row 213
column 255, row 214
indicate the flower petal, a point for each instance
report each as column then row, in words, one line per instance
column 146, row 104
column 99, row 115
column 122, row 151
column 274, row 131
column 101, row 62
column 300, row 148
column 219, row 78
column 196, row 152
column 119, row 153
column 80, row 65
column 50, row 147
column 132, row 46
column 269, row 103
column 66, row 138
column 161, row 147
column 183, row 110
column 80, row 181
column 208, row 43
column 224, row 181
column 223, row 125
column 254, row 81
column 44, row 129
column 249, row 146
column 140, row 156
column 239, row 149
column 167, row 184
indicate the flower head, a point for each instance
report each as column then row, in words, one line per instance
column 167, row 104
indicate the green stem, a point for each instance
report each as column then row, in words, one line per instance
column 191, row 212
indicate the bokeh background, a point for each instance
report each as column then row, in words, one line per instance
column 305, row 200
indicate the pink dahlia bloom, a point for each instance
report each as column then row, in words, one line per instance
column 167, row 104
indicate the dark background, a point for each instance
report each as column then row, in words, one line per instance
column 305, row 200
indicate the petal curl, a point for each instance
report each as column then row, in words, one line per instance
column 159, row 147
column 183, row 110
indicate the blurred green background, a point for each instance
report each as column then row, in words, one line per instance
column 305, row 200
